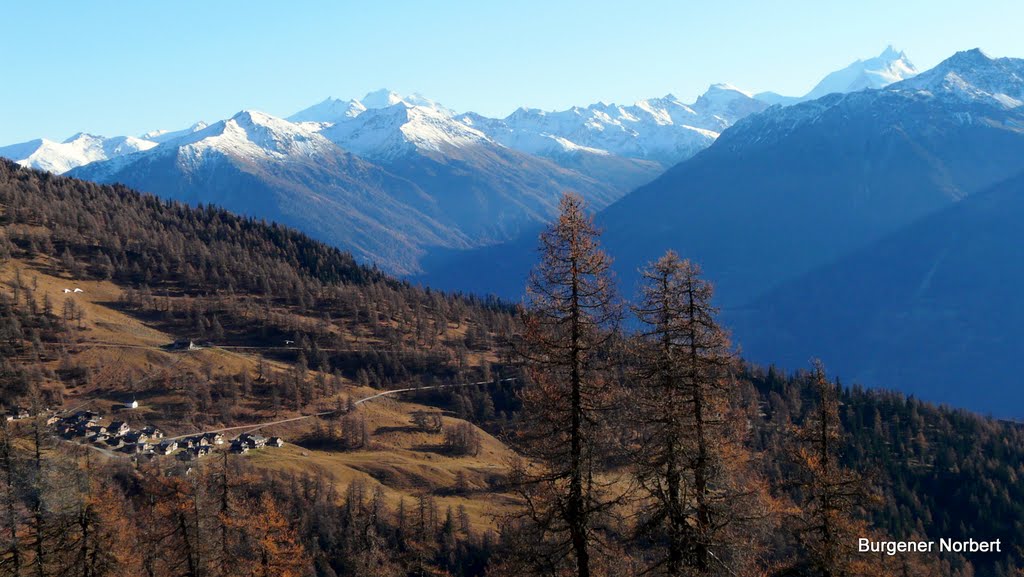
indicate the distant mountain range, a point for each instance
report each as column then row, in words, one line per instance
column 794, row 187
column 396, row 179
column 820, row 225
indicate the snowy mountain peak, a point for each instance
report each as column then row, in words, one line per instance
column 972, row 57
column 890, row 53
column 385, row 124
column 385, row 133
column 724, row 104
column 719, row 96
column 725, row 89
column 254, row 118
column 384, row 98
column 334, row 111
column 381, row 98
column 84, row 136
column 973, row 75
column 330, row 110
column 161, row 136
column 80, row 149
column 663, row 130
column 655, row 105
column 250, row 135
column 524, row 112
column 887, row 68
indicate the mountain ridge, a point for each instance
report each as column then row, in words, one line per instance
column 888, row 312
column 697, row 124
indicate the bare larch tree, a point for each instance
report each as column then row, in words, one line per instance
column 700, row 494
column 569, row 317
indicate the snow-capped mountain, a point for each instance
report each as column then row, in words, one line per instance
column 385, row 124
column 482, row 187
column 390, row 128
column 253, row 135
column 664, row 130
column 334, row 110
column 387, row 132
column 262, row 166
column 83, row 148
column 384, row 98
column 329, row 111
column 160, row 136
column 387, row 184
column 889, row 67
column 488, row 190
column 80, row 149
column 249, row 136
column 984, row 90
column 973, row 76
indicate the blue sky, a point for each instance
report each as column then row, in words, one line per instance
column 127, row 67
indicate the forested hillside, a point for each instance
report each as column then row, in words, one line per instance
column 435, row 482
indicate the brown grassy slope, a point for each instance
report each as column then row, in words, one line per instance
column 124, row 357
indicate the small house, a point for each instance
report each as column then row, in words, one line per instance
column 239, row 447
column 253, row 441
column 275, row 442
column 182, row 345
column 132, row 404
column 134, row 437
column 214, row 438
column 138, row 448
column 118, row 428
column 152, row 432
column 167, row 447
